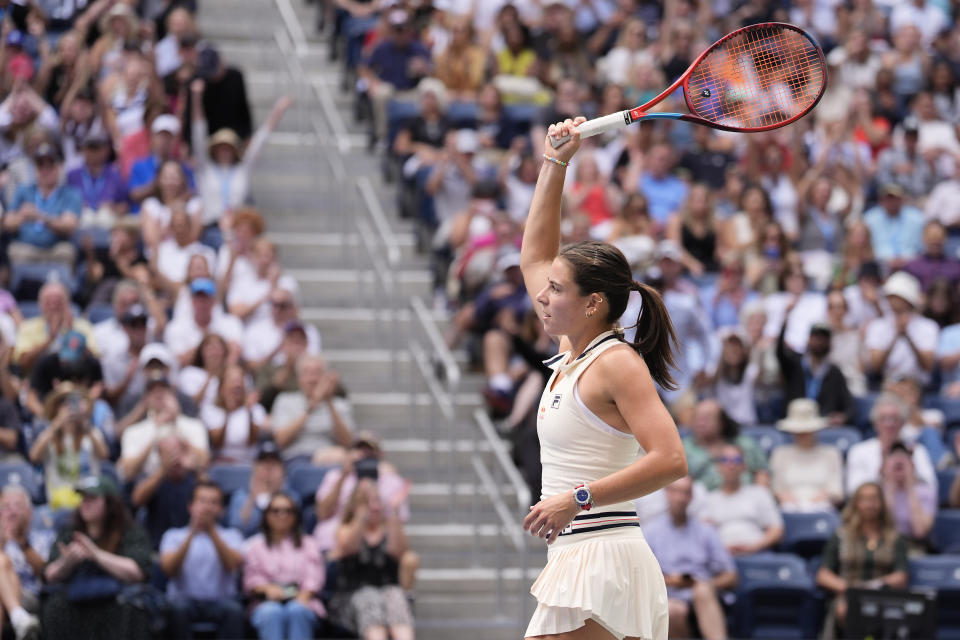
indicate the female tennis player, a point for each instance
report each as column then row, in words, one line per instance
column 605, row 436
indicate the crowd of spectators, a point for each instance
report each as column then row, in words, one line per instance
column 167, row 420
column 810, row 272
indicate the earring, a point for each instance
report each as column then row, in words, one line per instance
column 589, row 313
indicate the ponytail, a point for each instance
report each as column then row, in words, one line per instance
column 656, row 339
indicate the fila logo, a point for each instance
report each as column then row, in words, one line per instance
column 556, row 401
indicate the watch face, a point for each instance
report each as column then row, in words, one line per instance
column 582, row 496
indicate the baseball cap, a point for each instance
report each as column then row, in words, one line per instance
column 669, row 249
column 508, row 260
column 294, row 325
column 20, row 66
column 268, row 450
column 166, row 123
column 891, row 189
column 208, row 61
column 159, row 352
column 15, row 38
column 366, row 439
column 397, row 17
column 467, row 141
column 95, row 138
column 205, row 286
column 72, row 348
column 97, row 486
column 822, row 328
column 156, row 377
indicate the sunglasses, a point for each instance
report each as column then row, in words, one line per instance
column 281, row 304
column 287, row 511
column 729, row 459
column 46, row 163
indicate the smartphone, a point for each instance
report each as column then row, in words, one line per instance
column 367, row 468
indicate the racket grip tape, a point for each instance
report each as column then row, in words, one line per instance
column 597, row 126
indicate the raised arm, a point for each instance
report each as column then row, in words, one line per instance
column 541, row 236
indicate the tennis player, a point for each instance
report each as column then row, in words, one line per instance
column 605, row 436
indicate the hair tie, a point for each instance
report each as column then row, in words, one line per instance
column 636, row 286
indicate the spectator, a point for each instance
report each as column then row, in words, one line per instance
column 766, row 258
column 857, row 252
column 225, row 103
column 95, row 557
column 454, row 178
column 138, row 447
column 460, row 67
column 804, row 475
column 236, row 421
column 69, row 447
column 942, row 302
column 143, row 174
column 943, row 203
column 811, row 375
column 393, row 67
column 25, row 551
column 846, row 352
column 903, row 165
column 948, row 360
column 745, row 227
column 933, row 264
column 592, row 193
column 746, row 516
column 665, row 192
column 313, row 423
column 123, row 259
column 10, row 426
column 122, row 374
column 280, row 375
column 164, row 493
column 235, row 260
column 283, row 572
column 865, row 459
column 369, row 544
column 43, row 215
column 423, row 135
column 796, row 308
column 201, row 379
column 172, row 193
column 156, row 361
column 867, row 532
column 712, row 429
column 99, row 183
column 730, row 295
column 185, row 333
column 912, row 503
column 263, row 339
column 735, row 377
column 167, row 50
column 632, row 219
column 904, row 342
column 895, row 227
column 111, row 332
column 863, row 297
column 694, row 230
column 248, row 294
column 695, row 565
column 224, row 165
column 71, row 362
column 201, row 561
column 267, row 477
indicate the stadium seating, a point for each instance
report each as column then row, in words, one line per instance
column 945, row 478
column 841, row 437
column 768, row 437
column 230, row 477
column 946, row 531
column 24, row 475
column 805, row 534
column 941, row 573
column 775, row 597
column 26, row 279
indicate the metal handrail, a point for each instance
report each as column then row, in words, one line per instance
column 387, row 237
column 495, row 442
column 451, row 369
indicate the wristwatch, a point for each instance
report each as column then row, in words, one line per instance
column 583, row 497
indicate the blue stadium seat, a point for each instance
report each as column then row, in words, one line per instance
column 945, row 479
column 28, row 309
column 304, row 480
column 841, row 437
column 767, row 437
column 946, row 531
column 463, row 114
column 26, row 279
column 398, row 113
column 522, row 114
column 950, row 408
column 98, row 312
column 231, row 477
column 775, row 597
column 99, row 235
column 24, row 475
column 941, row 573
column 805, row 534
column 862, row 407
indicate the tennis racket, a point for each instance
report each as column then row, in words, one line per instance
column 754, row 79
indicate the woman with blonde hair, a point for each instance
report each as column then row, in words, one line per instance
column 865, row 552
column 236, row 420
column 694, row 229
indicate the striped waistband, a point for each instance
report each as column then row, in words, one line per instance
column 588, row 522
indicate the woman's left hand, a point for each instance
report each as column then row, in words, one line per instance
column 548, row 517
column 88, row 545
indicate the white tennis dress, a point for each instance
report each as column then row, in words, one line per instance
column 600, row 566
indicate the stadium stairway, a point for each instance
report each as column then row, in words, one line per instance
column 314, row 212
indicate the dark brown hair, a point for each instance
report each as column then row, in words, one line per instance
column 601, row 268
column 116, row 519
column 295, row 533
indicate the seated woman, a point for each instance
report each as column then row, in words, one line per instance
column 283, row 573
column 201, row 380
column 236, row 420
column 865, row 552
column 912, row 502
column 70, row 447
column 368, row 599
column 806, row 476
column 95, row 557
column 712, row 428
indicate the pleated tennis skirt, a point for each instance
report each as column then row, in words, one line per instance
column 611, row 577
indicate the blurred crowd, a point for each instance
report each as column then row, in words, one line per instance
column 176, row 457
column 811, row 272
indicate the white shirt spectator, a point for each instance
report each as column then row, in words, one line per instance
column 743, row 516
column 183, row 334
column 191, row 381
column 859, row 311
column 923, row 332
column 8, row 329
column 115, row 363
column 173, row 260
column 262, row 338
column 160, row 212
column 865, row 459
column 250, row 290
column 236, row 446
column 145, row 435
column 929, row 19
column 110, row 335
column 317, row 433
column 943, row 204
column 167, row 55
column 810, row 309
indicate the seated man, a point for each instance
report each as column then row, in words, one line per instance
column 247, row 505
column 44, row 215
column 746, row 516
column 21, row 562
column 40, row 335
column 72, row 362
column 139, row 452
column 263, row 338
column 165, row 493
column 695, row 564
column 313, row 423
column 201, row 561
column 183, row 335
column 155, row 360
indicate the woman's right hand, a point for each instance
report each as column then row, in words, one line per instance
column 565, row 152
column 274, row 592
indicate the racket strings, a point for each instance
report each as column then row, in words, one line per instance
column 761, row 77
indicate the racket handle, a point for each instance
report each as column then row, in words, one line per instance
column 596, row 127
